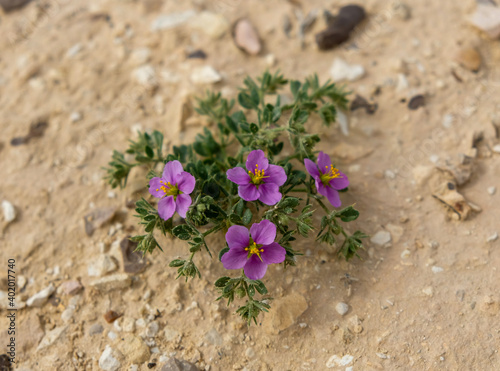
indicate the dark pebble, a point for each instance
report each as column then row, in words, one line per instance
column 340, row 27
column 360, row 102
column 5, row 364
column 132, row 260
column 151, row 364
column 197, row 54
column 9, row 5
column 416, row 102
column 37, row 129
column 111, row 316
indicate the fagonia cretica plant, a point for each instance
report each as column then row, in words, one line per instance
column 253, row 177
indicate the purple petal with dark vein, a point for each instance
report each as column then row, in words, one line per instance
column 254, row 268
column 166, row 207
column 237, row 237
column 238, row 175
column 257, row 157
column 273, row 253
column 263, row 233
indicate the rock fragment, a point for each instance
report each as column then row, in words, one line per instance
column 41, row 297
column 205, row 75
column 416, row 102
column 342, row 308
column 287, row 310
column 381, row 238
column 212, row 24
column 341, row 27
column 113, row 282
column 487, row 19
column 110, row 359
column 9, row 211
column 133, row 261
column 174, row 364
column 97, row 218
column 246, row 37
column 469, row 58
column 168, row 21
column 341, row 71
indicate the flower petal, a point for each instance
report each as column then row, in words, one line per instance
column 154, row 187
column 234, row 258
column 321, row 187
column 263, row 233
column 324, row 162
column 172, row 170
column 276, row 174
column 340, row 183
column 254, row 268
column 257, row 158
column 248, row 192
column 311, row 168
column 182, row 204
column 186, row 182
column 237, row 237
column 269, row 193
column 238, row 175
column 333, row 196
column 273, row 253
column 166, row 207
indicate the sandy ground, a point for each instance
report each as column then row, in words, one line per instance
column 428, row 300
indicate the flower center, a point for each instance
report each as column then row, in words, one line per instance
column 257, row 177
column 169, row 189
column 329, row 174
column 253, row 248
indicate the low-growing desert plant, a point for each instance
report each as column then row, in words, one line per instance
column 254, row 176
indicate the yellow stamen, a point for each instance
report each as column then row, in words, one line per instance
column 254, row 249
column 330, row 173
column 257, row 176
column 169, row 189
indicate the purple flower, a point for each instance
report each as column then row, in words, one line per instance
column 173, row 188
column 261, row 182
column 328, row 178
column 253, row 253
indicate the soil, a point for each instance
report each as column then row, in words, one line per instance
column 427, row 300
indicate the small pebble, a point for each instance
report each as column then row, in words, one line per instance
column 112, row 335
column 205, row 75
column 493, row 237
column 110, row 316
column 496, row 148
column 429, row 291
column 95, row 329
column 342, row 308
column 9, row 212
column 246, row 37
column 492, row 190
column 381, row 238
column 75, row 117
column 436, row 269
column 341, row 71
column 469, row 58
column 416, row 102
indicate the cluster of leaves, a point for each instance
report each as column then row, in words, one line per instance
column 216, row 205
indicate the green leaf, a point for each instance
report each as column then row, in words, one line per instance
column 176, row 263
column 246, row 101
column 221, row 282
column 222, row 252
column 247, row 217
column 254, row 128
column 149, row 152
column 348, row 214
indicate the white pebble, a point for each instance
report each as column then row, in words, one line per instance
column 336, row 361
column 108, row 360
column 9, row 212
column 205, row 75
column 496, row 148
column 341, row 71
column 381, row 238
column 492, row 190
column 436, row 269
column 112, row 335
column 75, row 116
column 493, row 237
column 448, row 120
column 342, row 308
column 40, row 298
